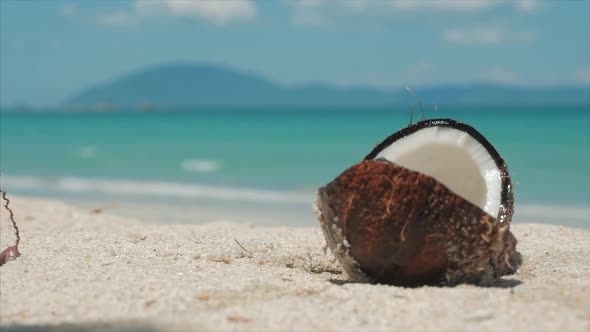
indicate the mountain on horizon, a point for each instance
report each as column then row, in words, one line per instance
column 198, row 85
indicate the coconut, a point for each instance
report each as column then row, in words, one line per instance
column 430, row 204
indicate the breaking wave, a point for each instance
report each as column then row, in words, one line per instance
column 155, row 188
column 72, row 185
column 87, row 152
column 200, row 165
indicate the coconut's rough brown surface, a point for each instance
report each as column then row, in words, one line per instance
column 389, row 224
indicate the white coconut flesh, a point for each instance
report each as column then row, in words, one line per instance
column 454, row 158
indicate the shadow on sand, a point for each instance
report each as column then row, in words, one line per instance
column 500, row 283
column 91, row 327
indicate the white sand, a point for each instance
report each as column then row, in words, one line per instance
column 82, row 268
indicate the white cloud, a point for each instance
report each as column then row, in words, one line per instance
column 482, row 35
column 400, row 5
column 419, row 71
column 308, row 19
column 220, row 12
column 527, row 5
column 464, row 5
column 116, row 19
column 217, row 11
column 500, row 74
column 354, row 5
column 308, row 3
column 472, row 36
column 443, row 5
column 420, row 5
column 68, row 10
column 320, row 10
column 583, row 74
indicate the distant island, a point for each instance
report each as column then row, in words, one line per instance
column 176, row 86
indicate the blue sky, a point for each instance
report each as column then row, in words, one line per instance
column 50, row 50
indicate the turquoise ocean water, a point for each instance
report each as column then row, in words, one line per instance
column 271, row 156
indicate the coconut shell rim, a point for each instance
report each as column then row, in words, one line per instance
column 506, row 196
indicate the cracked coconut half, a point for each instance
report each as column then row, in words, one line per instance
column 431, row 204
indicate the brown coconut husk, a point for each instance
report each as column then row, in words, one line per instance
column 389, row 224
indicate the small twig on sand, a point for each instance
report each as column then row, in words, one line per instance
column 11, row 252
column 101, row 209
column 238, row 319
column 246, row 251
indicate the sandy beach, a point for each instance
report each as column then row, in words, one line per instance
column 91, row 269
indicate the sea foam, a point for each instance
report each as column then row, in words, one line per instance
column 530, row 212
column 155, row 188
column 200, row 165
